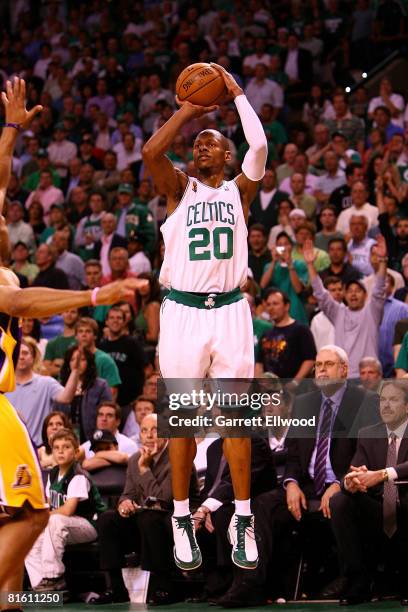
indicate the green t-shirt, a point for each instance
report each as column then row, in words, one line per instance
column 31, row 183
column 57, row 347
column 139, row 218
column 277, row 132
column 107, row 368
column 402, row 359
column 260, row 328
column 281, row 280
column 322, row 260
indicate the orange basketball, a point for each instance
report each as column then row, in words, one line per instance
column 200, row 84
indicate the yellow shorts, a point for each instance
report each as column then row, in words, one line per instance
column 20, row 472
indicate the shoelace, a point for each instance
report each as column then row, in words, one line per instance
column 243, row 525
column 187, row 526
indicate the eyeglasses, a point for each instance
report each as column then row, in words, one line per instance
column 325, row 364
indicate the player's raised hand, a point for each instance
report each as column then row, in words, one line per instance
column 194, row 109
column 232, row 86
column 14, row 100
column 120, row 290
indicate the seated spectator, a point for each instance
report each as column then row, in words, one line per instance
column 108, row 179
column 127, row 352
column 109, row 240
column 321, row 327
column 371, row 373
column 68, row 262
column 288, row 349
column 289, row 218
column 108, row 418
column 78, row 201
column 260, row 56
column 315, row 153
column 46, row 194
column 328, row 220
column 369, row 514
column 368, row 281
column 126, row 530
column 286, row 169
column 139, row 263
column 18, row 229
column 340, row 198
column 134, row 215
column 287, row 275
column 315, row 107
column 299, row 198
column 382, row 118
column 303, row 233
column 49, row 275
column 89, row 392
column 89, row 229
column 360, row 245
column 61, row 150
column 356, row 324
column 57, row 347
column 74, row 501
column 397, row 243
column 359, row 206
column 86, row 334
column 119, row 267
column 148, row 310
column 267, row 200
column 36, row 218
column 394, row 311
column 57, row 221
column 351, row 126
column 331, row 179
column 393, row 101
column 21, row 262
column 34, row 394
column 53, row 422
column 142, row 406
column 300, row 166
column 339, row 266
column 128, row 151
column 261, row 90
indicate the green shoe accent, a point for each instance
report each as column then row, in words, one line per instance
column 185, row 523
column 243, row 526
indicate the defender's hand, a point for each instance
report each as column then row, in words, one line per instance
column 14, row 100
column 120, row 290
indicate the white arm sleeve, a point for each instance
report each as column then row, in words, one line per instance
column 254, row 162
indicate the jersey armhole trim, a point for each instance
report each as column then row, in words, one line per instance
column 181, row 199
column 240, row 201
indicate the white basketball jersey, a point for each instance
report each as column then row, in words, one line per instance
column 206, row 240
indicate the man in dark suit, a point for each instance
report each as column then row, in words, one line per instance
column 370, row 514
column 214, row 514
column 297, row 64
column 110, row 239
column 132, row 527
column 318, row 458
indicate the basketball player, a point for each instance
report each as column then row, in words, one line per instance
column 23, row 507
column 206, row 327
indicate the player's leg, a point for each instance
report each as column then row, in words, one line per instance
column 21, row 493
column 233, row 357
column 182, row 354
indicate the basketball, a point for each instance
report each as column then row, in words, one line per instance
column 200, row 84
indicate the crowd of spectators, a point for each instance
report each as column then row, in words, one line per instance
column 82, row 211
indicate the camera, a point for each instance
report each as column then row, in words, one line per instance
column 280, row 250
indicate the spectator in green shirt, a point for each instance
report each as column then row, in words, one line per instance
column 304, row 232
column 32, row 181
column 86, row 333
column 287, row 275
column 56, row 348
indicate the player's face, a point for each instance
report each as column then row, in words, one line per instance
column 209, row 152
column 63, row 452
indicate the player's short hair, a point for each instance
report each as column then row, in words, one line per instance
column 111, row 404
column 258, row 227
column 65, row 434
column 87, row 322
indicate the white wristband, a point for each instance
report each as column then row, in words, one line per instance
column 94, row 295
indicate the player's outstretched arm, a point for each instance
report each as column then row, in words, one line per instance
column 16, row 117
column 168, row 180
column 40, row 302
column 253, row 166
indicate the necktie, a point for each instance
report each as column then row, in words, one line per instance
column 390, row 492
column 322, row 447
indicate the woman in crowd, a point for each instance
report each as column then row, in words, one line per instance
column 52, row 423
column 91, row 391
